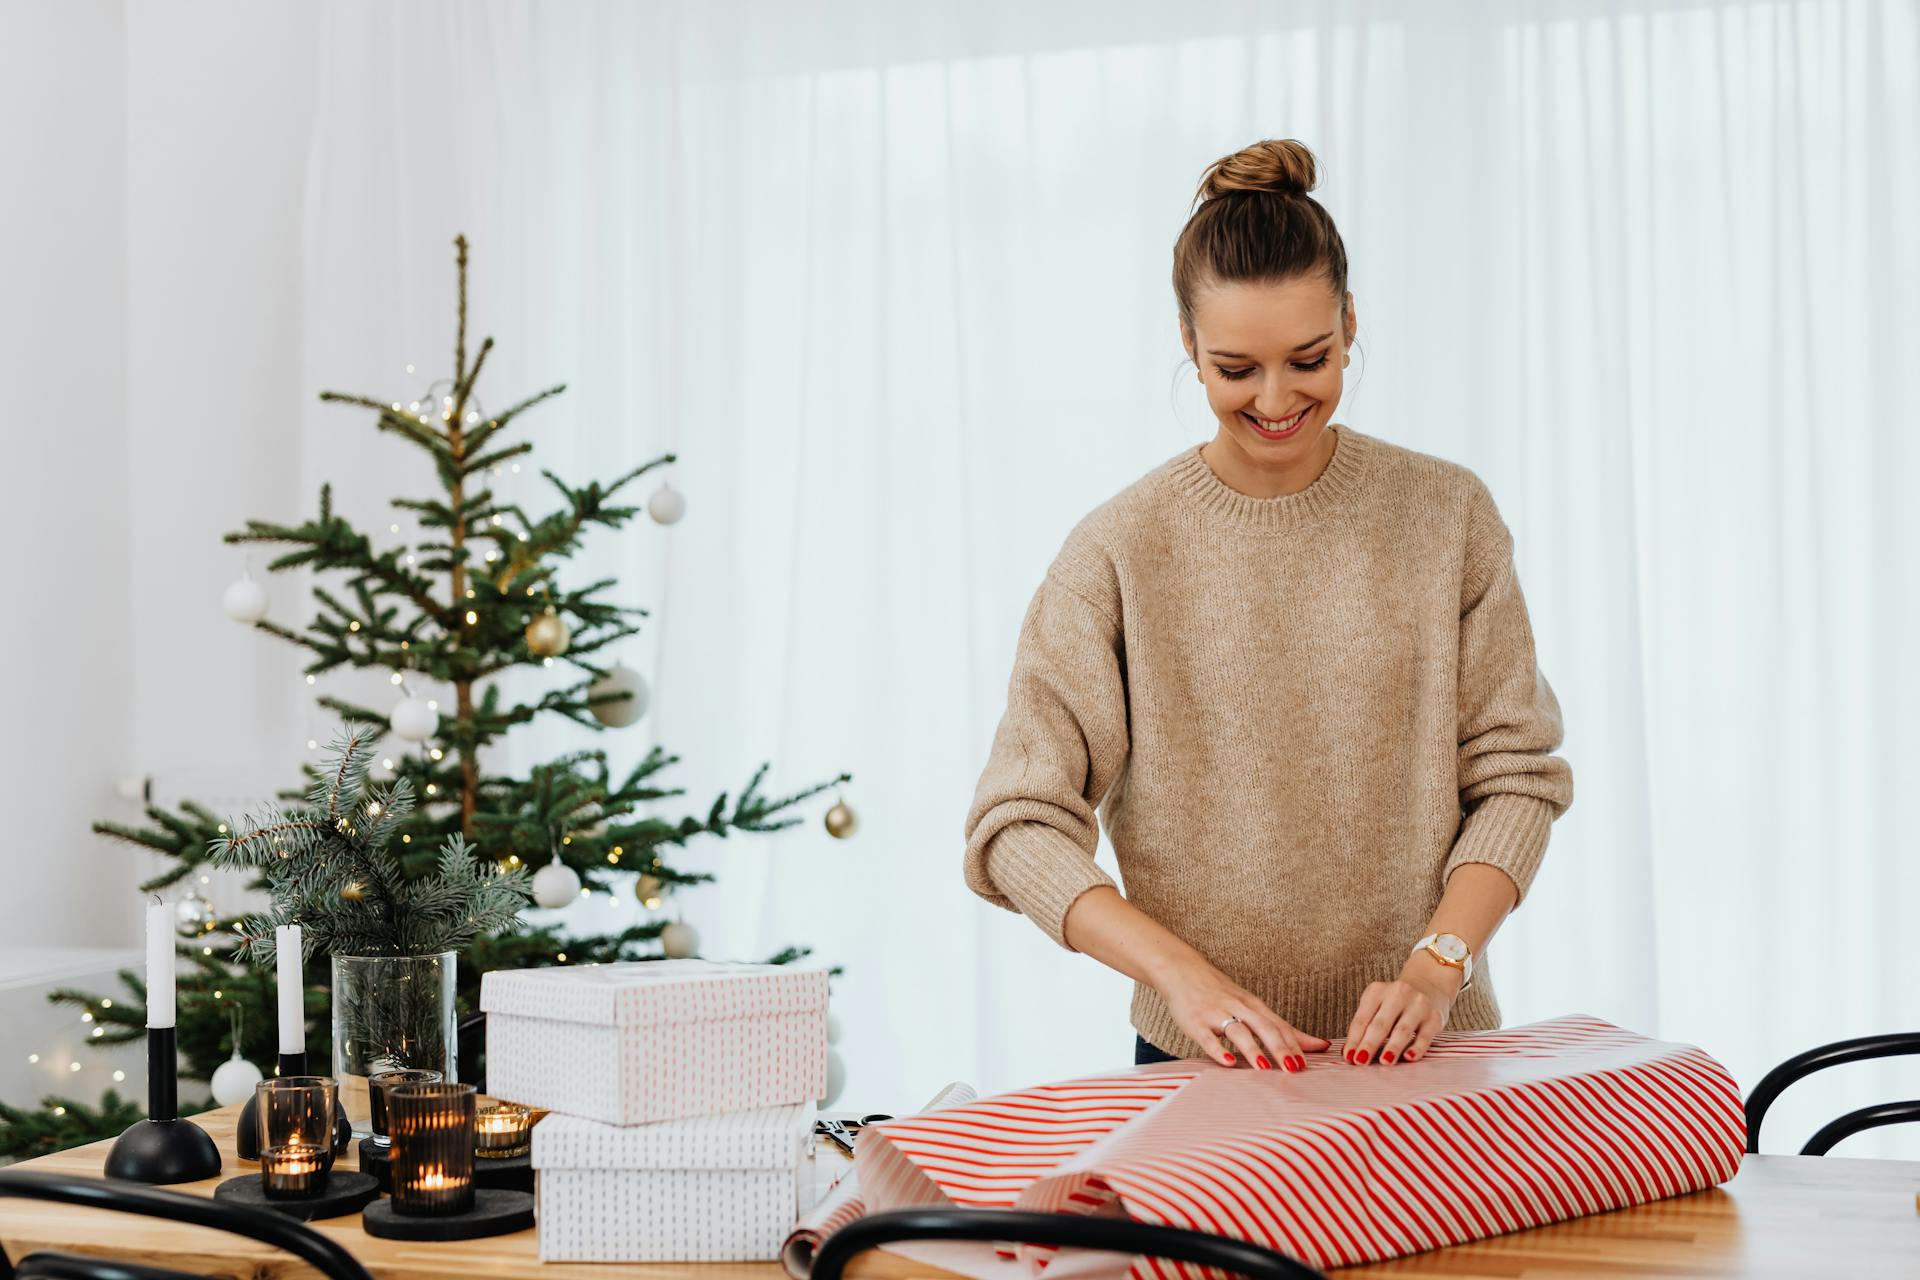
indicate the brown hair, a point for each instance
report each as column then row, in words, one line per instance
column 1256, row 223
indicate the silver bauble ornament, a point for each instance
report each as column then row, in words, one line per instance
column 836, row 1077
column 414, row 720
column 193, row 912
column 618, row 713
column 245, row 601
column 233, row 1080
column 679, row 940
column 555, row 885
column 666, row 506
column 840, row 821
column 548, row 635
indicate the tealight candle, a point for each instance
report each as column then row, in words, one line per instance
column 293, row 1172
column 503, row 1130
column 432, row 1127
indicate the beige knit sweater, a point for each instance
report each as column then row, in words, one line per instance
column 1294, row 715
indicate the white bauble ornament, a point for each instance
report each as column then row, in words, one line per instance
column 245, row 601
column 233, row 1080
column 620, row 712
column 836, row 1077
column 666, row 506
column 414, row 720
column 833, row 1027
column 555, row 885
column 679, row 940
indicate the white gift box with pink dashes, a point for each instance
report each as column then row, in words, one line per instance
column 717, row 1188
column 648, row 1040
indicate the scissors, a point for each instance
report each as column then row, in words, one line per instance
column 842, row 1132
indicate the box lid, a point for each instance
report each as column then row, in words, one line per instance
column 648, row 992
column 765, row 1138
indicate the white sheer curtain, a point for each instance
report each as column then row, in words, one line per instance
column 892, row 279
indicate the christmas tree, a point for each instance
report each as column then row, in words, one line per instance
column 475, row 598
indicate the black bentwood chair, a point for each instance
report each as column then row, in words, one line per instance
column 282, row 1232
column 1120, row 1235
column 1836, row 1054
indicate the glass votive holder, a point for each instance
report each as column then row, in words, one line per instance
column 377, row 1085
column 502, row 1130
column 295, row 1119
column 293, row 1172
column 431, row 1125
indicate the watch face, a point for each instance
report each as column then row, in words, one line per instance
column 1450, row 947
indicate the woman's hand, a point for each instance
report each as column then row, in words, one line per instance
column 1200, row 998
column 1396, row 1021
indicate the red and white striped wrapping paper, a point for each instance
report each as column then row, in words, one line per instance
column 1490, row 1132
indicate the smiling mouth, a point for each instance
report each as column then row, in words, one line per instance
column 1276, row 431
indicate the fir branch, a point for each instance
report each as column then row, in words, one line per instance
column 61, row 1122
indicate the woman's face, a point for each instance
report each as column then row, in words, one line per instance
column 1271, row 358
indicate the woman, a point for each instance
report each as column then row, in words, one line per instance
column 1291, row 670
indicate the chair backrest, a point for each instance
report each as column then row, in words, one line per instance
column 1836, row 1054
column 121, row 1196
column 1121, row 1235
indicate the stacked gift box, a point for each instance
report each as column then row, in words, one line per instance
column 682, row 1096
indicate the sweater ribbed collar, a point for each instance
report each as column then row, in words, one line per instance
column 1335, row 485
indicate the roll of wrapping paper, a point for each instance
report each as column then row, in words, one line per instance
column 841, row 1202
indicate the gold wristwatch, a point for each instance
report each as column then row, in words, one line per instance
column 1449, row 949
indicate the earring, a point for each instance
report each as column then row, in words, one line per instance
column 1345, row 361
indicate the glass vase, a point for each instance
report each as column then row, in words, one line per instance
column 391, row 1013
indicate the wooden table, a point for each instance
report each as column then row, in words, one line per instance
column 1783, row 1216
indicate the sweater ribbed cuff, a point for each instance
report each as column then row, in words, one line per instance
column 1508, row 831
column 1043, row 872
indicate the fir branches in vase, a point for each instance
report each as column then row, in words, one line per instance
column 330, row 868
column 394, row 942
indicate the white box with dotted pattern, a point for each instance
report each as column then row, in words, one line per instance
column 647, row 1040
column 715, row 1188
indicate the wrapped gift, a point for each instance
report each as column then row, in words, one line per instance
column 653, row 1040
column 1489, row 1132
column 714, row 1188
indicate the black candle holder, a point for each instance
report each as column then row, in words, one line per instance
column 377, row 1085
column 163, row 1148
column 246, row 1138
column 432, row 1130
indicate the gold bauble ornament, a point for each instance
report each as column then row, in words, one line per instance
column 548, row 636
column 647, row 890
column 840, row 820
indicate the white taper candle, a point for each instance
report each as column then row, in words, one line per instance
column 159, row 964
column 293, row 1016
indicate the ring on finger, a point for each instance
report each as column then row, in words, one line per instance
column 1231, row 1019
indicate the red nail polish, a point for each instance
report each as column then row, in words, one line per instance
column 1262, row 1063
column 1387, row 1057
column 1362, row 1057
column 1411, row 1055
column 1229, row 1059
column 1297, row 1063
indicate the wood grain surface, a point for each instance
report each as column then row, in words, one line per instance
column 1783, row 1216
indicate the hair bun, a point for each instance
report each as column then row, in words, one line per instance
column 1273, row 164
